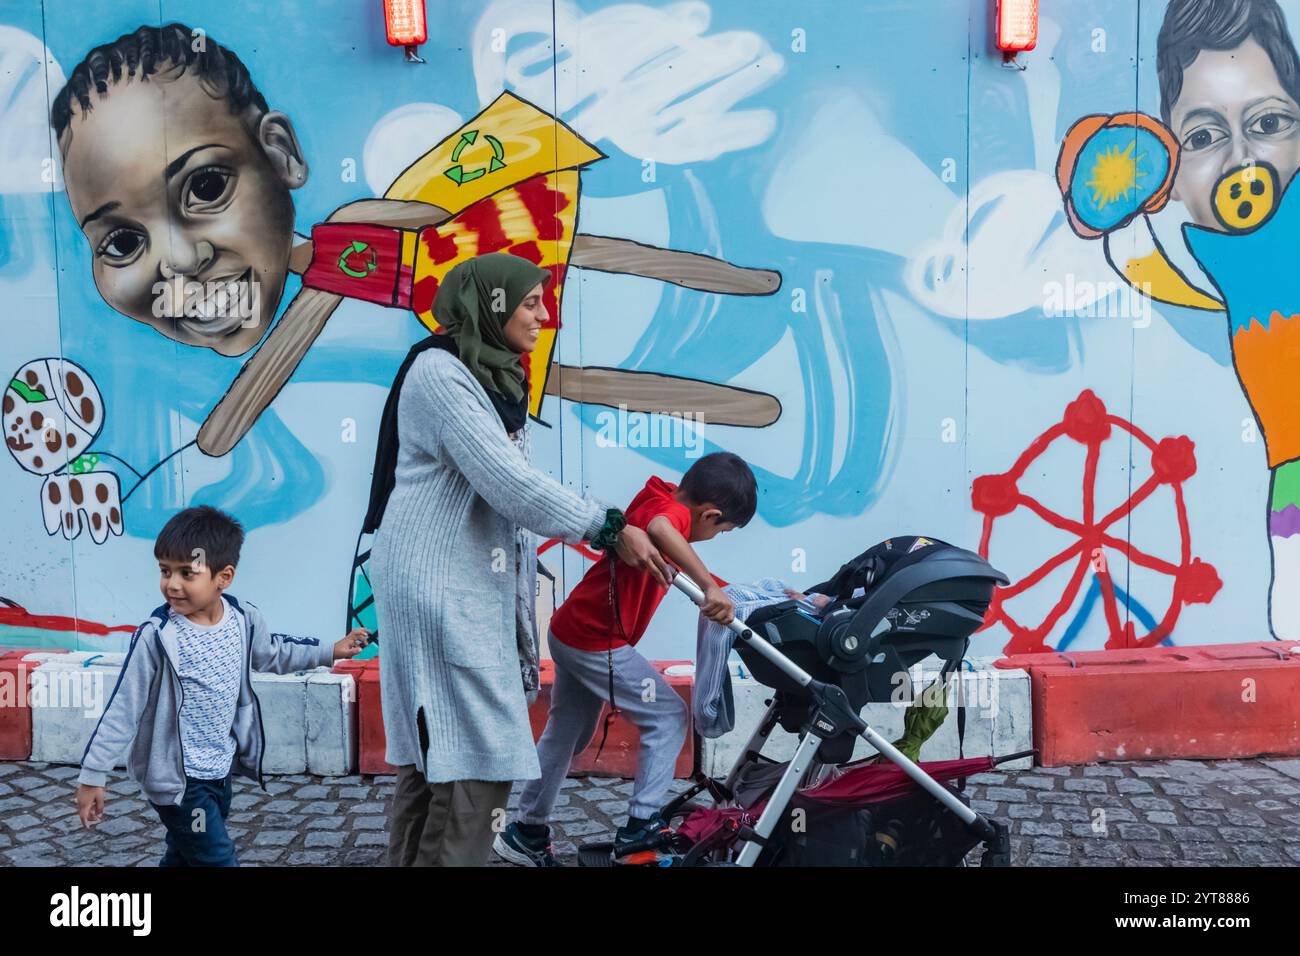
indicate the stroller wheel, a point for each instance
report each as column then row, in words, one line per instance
column 991, row 858
column 997, row 851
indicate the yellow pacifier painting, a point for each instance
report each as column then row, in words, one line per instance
column 1245, row 197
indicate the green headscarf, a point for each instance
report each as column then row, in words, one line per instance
column 464, row 307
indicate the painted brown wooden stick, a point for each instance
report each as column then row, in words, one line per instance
column 666, row 394
column 265, row 373
column 689, row 269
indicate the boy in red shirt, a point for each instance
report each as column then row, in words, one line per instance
column 593, row 647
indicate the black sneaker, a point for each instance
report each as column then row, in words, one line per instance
column 511, row 845
column 641, row 836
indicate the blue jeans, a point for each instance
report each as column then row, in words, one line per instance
column 197, row 838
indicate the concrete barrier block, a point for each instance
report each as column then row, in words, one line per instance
column 15, row 710
column 68, row 693
column 15, row 705
column 331, row 723
column 1013, row 731
column 284, row 721
column 623, row 744
column 39, row 657
column 998, row 719
column 309, row 718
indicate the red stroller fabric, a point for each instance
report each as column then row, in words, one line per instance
column 706, row 821
column 857, row 784
column 878, row 782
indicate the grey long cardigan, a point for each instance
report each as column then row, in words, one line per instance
column 447, row 584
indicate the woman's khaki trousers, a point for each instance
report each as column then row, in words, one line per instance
column 443, row 824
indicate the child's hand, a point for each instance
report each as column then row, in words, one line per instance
column 90, row 805
column 717, row 607
column 352, row 645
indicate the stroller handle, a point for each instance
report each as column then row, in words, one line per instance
column 692, row 590
column 742, row 631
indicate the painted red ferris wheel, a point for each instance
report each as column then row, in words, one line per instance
column 1172, row 461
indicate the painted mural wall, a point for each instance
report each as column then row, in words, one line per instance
column 1042, row 309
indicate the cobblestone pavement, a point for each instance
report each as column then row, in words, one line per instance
column 1168, row 813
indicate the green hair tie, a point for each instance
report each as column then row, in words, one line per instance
column 614, row 524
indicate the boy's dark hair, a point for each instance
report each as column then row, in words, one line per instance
column 145, row 52
column 201, row 534
column 723, row 479
column 1191, row 26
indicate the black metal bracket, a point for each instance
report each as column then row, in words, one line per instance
column 833, row 715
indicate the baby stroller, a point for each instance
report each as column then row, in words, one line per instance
column 890, row 608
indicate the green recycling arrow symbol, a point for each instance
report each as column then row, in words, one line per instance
column 357, row 247
column 458, row 174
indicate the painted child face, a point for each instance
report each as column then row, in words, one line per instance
column 1232, row 109
column 186, row 209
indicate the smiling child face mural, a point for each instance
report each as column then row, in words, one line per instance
column 180, row 176
column 1230, row 92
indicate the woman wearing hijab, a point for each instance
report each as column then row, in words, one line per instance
column 453, row 572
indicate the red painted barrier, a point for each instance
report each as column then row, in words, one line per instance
column 617, row 760
column 1210, row 701
column 15, row 706
column 370, row 716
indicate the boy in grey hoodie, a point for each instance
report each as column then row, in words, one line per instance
column 184, row 703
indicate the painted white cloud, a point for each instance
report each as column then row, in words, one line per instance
column 401, row 137
column 648, row 79
column 1017, row 245
column 29, row 76
column 845, row 179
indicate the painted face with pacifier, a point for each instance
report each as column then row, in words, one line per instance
column 1246, row 197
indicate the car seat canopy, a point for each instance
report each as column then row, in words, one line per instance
column 893, row 606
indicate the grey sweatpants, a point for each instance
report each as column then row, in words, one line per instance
column 581, row 687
